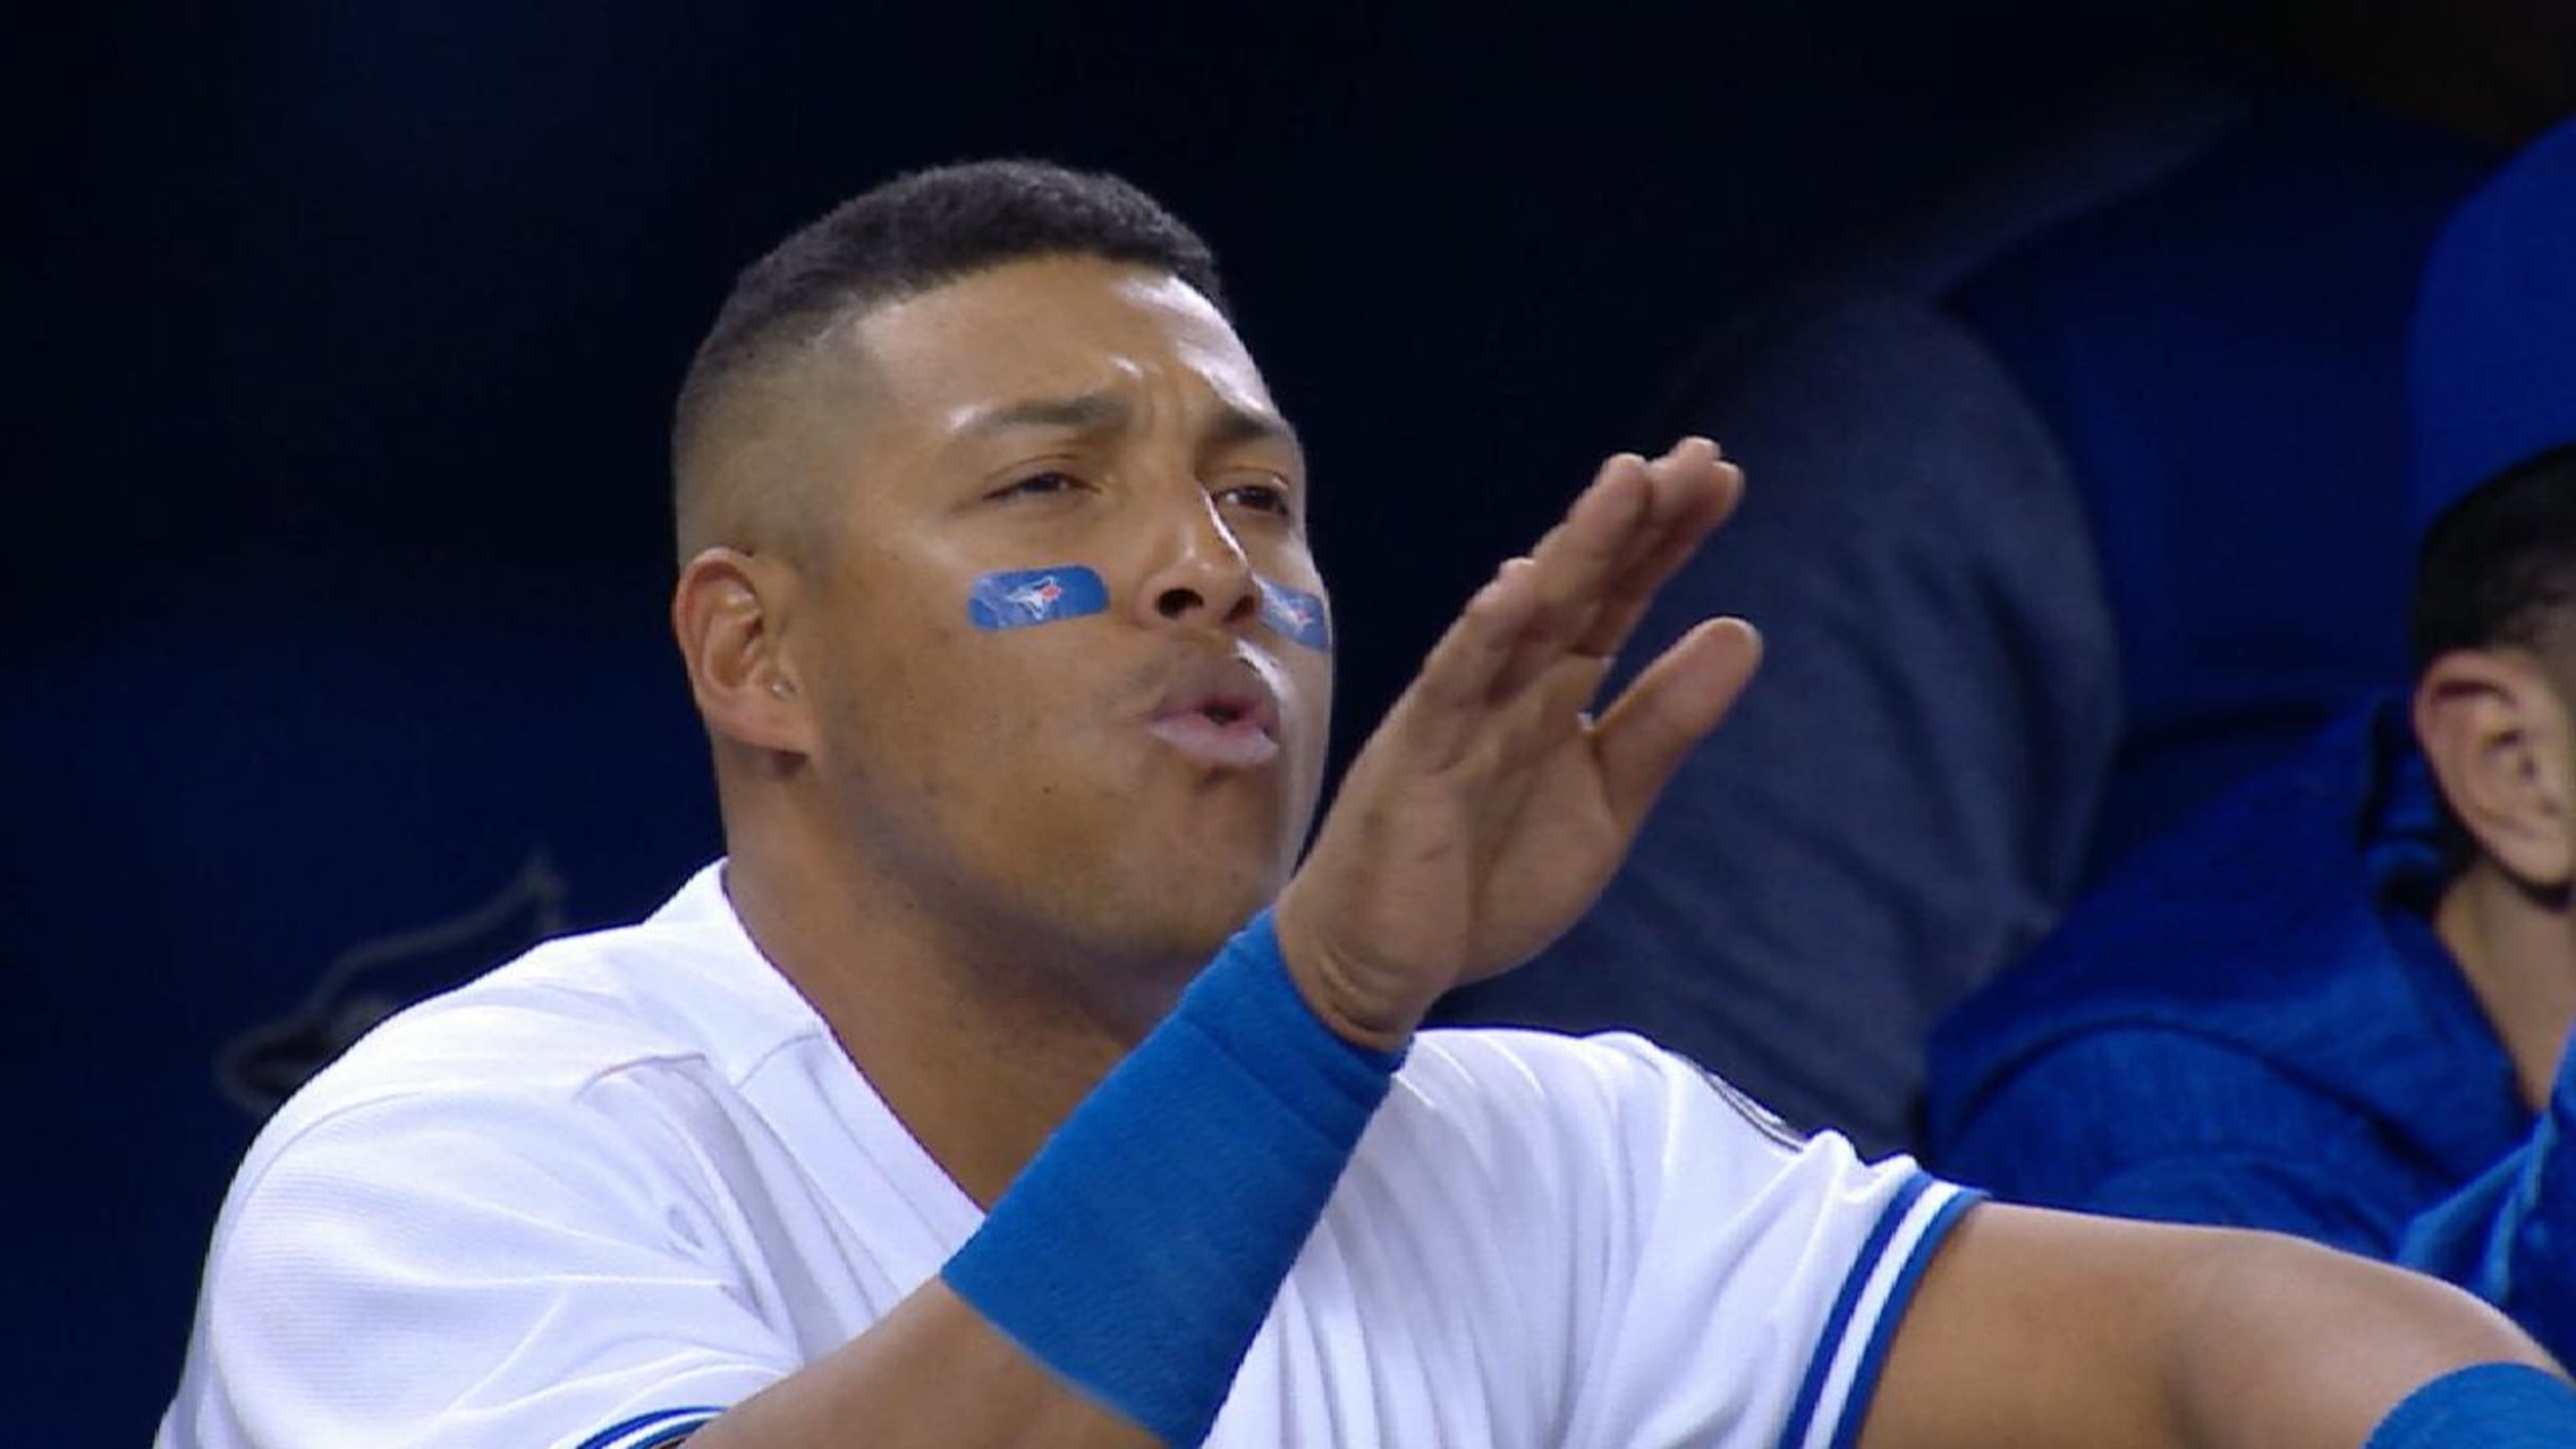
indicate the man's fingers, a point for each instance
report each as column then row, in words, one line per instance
column 1699, row 490
column 1448, row 695
column 1579, row 592
column 1668, row 710
column 1688, row 484
column 1593, row 597
column 1577, row 563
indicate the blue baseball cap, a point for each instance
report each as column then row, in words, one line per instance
column 2492, row 375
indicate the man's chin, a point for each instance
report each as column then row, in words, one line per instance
column 1186, row 919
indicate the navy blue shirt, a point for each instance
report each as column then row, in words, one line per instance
column 2254, row 1024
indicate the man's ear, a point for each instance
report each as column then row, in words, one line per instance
column 2498, row 739
column 727, row 611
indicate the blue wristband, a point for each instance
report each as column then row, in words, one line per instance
column 1139, row 1252
column 2485, row 1406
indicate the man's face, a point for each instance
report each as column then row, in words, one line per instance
column 1133, row 781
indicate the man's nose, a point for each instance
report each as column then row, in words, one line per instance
column 1200, row 574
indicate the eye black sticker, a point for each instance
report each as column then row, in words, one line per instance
column 1018, row 598
column 1296, row 615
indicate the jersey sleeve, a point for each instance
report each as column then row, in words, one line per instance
column 469, row 1269
column 1764, row 1274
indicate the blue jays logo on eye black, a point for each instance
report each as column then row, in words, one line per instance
column 1296, row 615
column 1017, row 598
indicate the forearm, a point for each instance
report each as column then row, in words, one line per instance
column 2046, row 1328
column 2277, row 1342
column 932, row 1374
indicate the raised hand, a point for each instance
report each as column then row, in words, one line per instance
column 1489, row 809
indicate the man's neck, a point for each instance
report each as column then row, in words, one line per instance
column 2518, row 951
column 980, row 1047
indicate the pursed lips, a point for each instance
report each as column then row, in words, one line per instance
column 1219, row 712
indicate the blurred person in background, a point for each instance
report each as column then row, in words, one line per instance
column 2337, row 1003
column 2080, row 502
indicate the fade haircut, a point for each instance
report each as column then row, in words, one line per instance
column 910, row 235
column 2499, row 567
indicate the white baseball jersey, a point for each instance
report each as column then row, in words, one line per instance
column 592, row 1198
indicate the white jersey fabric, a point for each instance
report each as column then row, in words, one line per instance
column 630, row 1178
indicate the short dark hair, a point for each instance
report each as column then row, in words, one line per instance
column 910, row 235
column 2499, row 566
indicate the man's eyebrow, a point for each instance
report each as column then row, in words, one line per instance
column 1244, row 425
column 1103, row 412
column 1091, row 412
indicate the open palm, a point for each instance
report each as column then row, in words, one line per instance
column 1489, row 809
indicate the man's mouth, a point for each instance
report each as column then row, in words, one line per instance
column 1225, row 718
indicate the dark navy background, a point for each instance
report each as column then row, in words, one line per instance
column 346, row 339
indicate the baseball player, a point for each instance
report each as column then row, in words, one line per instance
column 1012, row 1081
